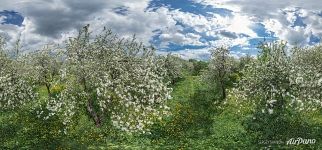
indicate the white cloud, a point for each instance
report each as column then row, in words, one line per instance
column 238, row 54
column 55, row 20
column 200, row 54
column 2, row 18
column 199, row 22
column 180, row 39
column 29, row 39
column 277, row 16
column 226, row 28
column 283, row 27
column 241, row 24
column 314, row 23
column 264, row 8
column 140, row 23
column 10, row 33
column 228, row 42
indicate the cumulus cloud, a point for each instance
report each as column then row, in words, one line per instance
column 53, row 18
column 228, row 42
column 57, row 19
column 53, row 21
column 200, row 54
column 281, row 17
column 2, row 18
column 264, row 8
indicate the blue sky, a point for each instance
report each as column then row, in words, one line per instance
column 188, row 28
column 11, row 17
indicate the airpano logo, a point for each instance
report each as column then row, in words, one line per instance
column 299, row 140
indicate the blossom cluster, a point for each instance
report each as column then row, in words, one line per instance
column 277, row 80
column 112, row 79
column 15, row 91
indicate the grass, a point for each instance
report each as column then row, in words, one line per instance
column 227, row 129
column 185, row 89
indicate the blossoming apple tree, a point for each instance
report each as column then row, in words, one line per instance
column 44, row 67
column 278, row 80
column 112, row 80
column 15, row 91
column 220, row 69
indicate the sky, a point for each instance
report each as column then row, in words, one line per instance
column 188, row 28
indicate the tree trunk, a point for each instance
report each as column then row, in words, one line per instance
column 223, row 93
column 94, row 115
column 90, row 108
column 48, row 89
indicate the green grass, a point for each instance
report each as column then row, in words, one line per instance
column 42, row 91
column 227, row 130
column 185, row 89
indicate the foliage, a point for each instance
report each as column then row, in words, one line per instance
column 220, row 70
column 104, row 92
column 274, row 87
column 198, row 67
column 44, row 67
column 275, row 83
column 14, row 90
column 174, row 67
column 114, row 80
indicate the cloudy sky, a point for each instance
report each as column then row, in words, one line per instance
column 185, row 27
